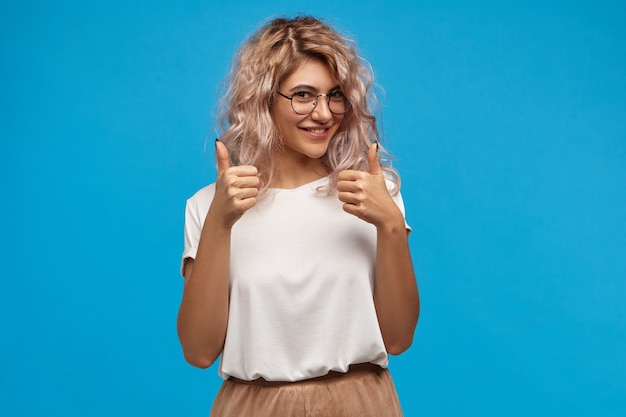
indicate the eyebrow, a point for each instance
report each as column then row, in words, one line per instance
column 310, row 87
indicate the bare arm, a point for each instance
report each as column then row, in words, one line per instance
column 203, row 313
column 396, row 297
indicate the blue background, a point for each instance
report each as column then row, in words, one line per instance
column 508, row 122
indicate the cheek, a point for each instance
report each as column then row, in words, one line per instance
column 283, row 114
column 279, row 120
column 342, row 123
column 284, row 124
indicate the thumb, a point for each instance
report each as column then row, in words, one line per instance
column 221, row 156
column 372, row 158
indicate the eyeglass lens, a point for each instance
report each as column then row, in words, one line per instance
column 304, row 105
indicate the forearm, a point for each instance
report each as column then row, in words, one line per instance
column 203, row 314
column 395, row 293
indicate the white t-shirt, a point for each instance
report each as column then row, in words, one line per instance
column 301, row 286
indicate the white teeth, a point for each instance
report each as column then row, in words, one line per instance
column 318, row 131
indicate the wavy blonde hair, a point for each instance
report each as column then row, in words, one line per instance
column 270, row 55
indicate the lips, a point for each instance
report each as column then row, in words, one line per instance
column 316, row 130
column 317, row 133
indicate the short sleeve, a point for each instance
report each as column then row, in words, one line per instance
column 196, row 209
column 397, row 198
column 400, row 203
column 193, row 228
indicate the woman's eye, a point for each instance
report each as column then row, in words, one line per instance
column 336, row 95
column 302, row 95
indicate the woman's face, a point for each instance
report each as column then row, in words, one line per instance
column 306, row 136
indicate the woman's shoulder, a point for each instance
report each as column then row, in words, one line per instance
column 203, row 196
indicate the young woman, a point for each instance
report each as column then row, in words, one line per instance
column 296, row 261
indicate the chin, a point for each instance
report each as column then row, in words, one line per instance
column 317, row 154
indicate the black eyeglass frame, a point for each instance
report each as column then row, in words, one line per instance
column 327, row 95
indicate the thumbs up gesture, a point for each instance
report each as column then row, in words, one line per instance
column 365, row 194
column 236, row 187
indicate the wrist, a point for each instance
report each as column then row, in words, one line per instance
column 218, row 223
column 392, row 224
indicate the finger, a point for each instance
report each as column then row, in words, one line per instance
column 250, row 181
column 354, row 209
column 246, row 204
column 349, row 198
column 242, row 194
column 348, row 186
column 372, row 158
column 244, row 171
column 234, row 184
column 221, row 156
column 350, row 175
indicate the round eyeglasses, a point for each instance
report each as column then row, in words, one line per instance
column 304, row 102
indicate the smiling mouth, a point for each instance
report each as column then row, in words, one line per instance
column 317, row 131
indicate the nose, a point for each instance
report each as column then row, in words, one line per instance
column 321, row 113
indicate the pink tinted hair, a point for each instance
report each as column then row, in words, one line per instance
column 271, row 54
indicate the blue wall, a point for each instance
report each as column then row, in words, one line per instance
column 508, row 123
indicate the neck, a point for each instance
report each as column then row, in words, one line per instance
column 294, row 173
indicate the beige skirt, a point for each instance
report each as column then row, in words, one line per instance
column 366, row 390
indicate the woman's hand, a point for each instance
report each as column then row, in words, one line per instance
column 236, row 188
column 365, row 194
